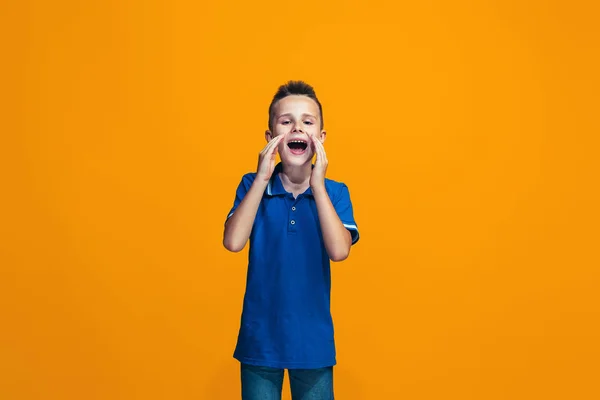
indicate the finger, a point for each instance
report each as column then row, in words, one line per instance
column 275, row 144
column 320, row 150
column 278, row 139
column 322, row 156
column 320, row 144
column 272, row 142
column 314, row 146
column 317, row 149
column 322, row 147
column 315, row 141
column 274, row 152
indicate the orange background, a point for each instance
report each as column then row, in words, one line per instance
column 466, row 131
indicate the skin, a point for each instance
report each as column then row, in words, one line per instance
column 296, row 117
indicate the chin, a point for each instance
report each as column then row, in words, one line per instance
column 296, row 160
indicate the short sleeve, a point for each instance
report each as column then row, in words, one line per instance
column 343, row 207
column 240, row 192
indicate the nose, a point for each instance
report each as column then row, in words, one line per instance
column 297, row 128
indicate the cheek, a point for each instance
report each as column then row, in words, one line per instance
column 278, row 131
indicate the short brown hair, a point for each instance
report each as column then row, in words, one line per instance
column 293, row 88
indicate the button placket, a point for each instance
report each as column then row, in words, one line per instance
column 292, row 219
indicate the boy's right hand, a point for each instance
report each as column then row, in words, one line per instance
column 266, row 159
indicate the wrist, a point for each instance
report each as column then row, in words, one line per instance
column 318, row 187
column 261, row 181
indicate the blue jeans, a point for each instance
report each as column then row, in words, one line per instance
column 263, row 383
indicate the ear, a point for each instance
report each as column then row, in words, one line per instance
column 268, row 135
column 323, row 136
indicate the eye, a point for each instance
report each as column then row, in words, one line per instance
column 308, row 122
column 285, row 122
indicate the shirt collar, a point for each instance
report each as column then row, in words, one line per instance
column 275, row 186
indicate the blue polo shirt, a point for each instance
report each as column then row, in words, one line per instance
column 286, row 319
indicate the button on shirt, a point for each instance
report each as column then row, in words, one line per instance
column 286, row 320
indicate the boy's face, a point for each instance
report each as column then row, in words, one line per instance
column 297, row 117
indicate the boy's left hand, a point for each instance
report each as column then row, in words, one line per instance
column 317, row 177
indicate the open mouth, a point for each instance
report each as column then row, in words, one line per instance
column 297, row 146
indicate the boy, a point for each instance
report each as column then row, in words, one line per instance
column 296, row 221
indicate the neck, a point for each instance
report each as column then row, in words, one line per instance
column 296, row 176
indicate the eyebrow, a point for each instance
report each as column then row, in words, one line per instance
column 303, row 115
